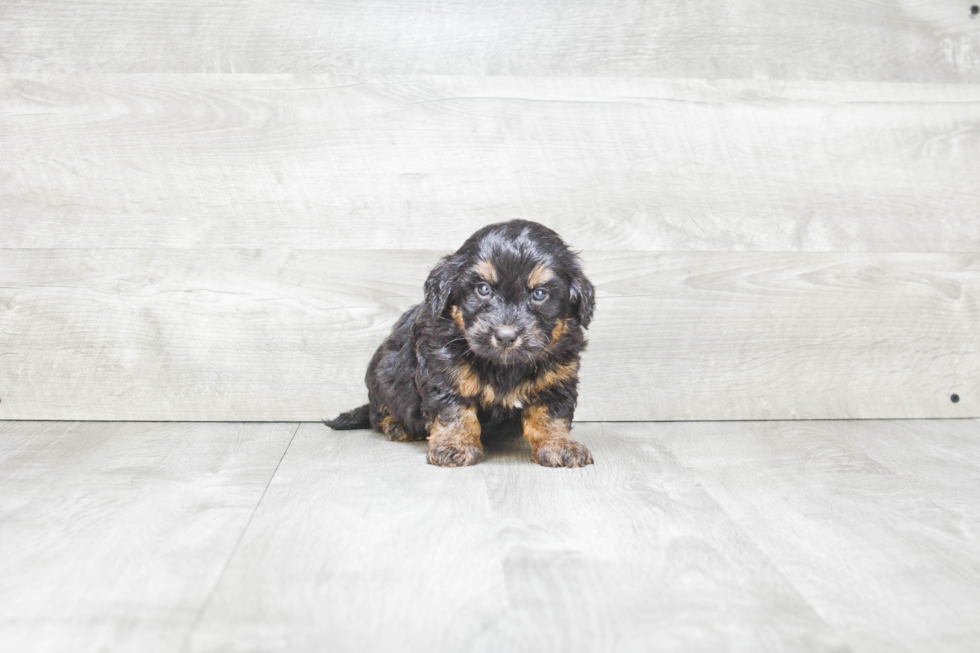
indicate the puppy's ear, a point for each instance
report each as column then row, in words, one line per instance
column 440, row 284
column 581, row 295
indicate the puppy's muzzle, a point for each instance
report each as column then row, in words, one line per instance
column 506, row 336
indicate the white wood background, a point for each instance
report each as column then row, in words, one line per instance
column 874, row 40
column 778, row 200
column 180, row 161
column 229, row 334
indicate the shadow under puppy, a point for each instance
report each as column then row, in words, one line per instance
column 498, row 337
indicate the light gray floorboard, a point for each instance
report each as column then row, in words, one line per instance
column 388, row 162
column 361, row 542
column 112, row 535
column 286, row 335
column 744, row 536
column 359, row 545
column 901, row 40
column 875, row 523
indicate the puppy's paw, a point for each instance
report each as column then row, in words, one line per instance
column 450, row 456
column 562, row 453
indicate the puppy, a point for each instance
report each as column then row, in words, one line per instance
column 497, row 337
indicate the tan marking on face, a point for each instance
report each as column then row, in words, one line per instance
column 467, row 382
column 486, row 271
column 540, row 276
column 457, row 314
column 559, row 331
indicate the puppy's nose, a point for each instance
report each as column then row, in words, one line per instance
column 506, row 335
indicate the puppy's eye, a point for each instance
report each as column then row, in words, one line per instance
column 483, row 290
column 539, row 295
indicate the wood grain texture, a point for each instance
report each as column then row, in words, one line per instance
column 875, row 524
column 363, row 546
column 286, row 334
column 359, row 545
column 336, row 162
column 893, row 40
column 784, row 336
column 775, row 536
column 115, row 534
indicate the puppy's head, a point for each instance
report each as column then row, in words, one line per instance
column 514, row 289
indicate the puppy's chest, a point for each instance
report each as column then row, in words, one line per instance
column 516, row 395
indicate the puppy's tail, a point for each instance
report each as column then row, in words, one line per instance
column 352, row 419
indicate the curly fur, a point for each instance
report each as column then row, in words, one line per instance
column 498, row 336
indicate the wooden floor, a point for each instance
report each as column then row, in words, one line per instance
column 695, row 536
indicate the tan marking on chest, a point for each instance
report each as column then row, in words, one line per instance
column 488, row 395
column 558, row 375
column 526, row 391
column 467, row 382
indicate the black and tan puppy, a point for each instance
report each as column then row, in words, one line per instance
column 498, row 337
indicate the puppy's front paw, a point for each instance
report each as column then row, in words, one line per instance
column 562, row 453
column 450, row 456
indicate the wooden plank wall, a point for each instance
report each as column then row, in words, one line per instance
column 216, row 211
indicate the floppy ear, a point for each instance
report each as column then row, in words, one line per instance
column 440, row 284
column 581, row 295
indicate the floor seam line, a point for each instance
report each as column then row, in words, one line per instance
column 736, row 524
column 238, row 542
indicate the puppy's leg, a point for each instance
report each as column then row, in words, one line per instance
column 454, row 440
column 395, row 431
column 551, row 443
